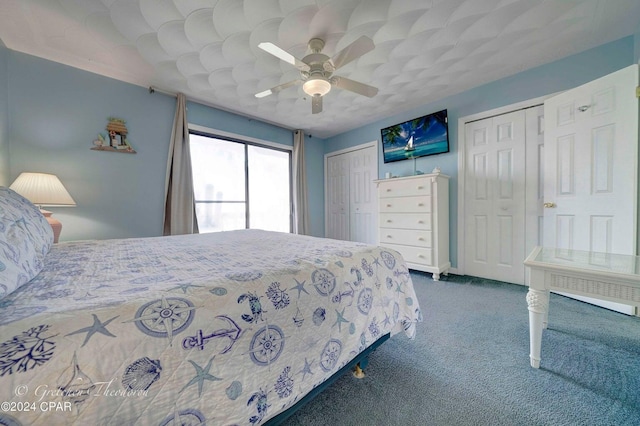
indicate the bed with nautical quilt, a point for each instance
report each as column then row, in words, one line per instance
column 231, row 328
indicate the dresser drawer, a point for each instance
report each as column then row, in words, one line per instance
column 421, row 204
column 404, row 188
column 407, row 237
column 419, row 221
column 422, row 256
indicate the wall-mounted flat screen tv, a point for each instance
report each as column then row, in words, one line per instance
column 427, row 135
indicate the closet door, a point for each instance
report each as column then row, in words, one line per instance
column 362, row 205
column 351, row 198
column 495, row 197
column 591, row 170
column 338, row 197
column 591, row 154
column 534, row 219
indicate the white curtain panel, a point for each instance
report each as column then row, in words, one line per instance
column 300, row 203
column 180, row 210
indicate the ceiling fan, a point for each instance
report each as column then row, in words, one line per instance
column 316, row 70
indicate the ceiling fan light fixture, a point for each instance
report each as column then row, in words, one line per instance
column 316, row 86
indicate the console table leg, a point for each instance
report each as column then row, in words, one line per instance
column 538, row 302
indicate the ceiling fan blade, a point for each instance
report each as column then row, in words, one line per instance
column 277, row 88
column 316, row 104
column 354, row 86
column 283, row 55
column 353, row 51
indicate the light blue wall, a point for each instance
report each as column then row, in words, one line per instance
column 57, row 111
column 557, row 76
column 4, row 119
column 314, row 149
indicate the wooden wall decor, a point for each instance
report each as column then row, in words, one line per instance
column 116, row 139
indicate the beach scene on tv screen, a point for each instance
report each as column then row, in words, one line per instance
column 416, row 138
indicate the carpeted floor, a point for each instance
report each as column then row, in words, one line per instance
column 469, row 365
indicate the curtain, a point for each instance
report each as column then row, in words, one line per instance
column 300, row 203
column 180, row 209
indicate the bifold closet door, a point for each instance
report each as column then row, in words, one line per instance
column 362, row 196
column 351, row 195
column 495, row 197
column 338, row 197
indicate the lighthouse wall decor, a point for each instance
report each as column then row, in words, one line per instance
column 426, row 135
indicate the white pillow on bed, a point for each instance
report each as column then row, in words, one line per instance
column 25, row 239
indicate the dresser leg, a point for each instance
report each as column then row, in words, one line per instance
column 436, row 277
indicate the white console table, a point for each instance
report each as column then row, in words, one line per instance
column 613, row 277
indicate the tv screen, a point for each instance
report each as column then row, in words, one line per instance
column 427, row 135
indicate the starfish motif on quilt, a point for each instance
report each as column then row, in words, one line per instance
column 97, row 327
column 202, row 374
column 387, row 320
column 300, row 287
column 307, row 369
column 340, row 319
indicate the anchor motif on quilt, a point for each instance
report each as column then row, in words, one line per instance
column 199, row 340
column 348, row 293
column 351, row 292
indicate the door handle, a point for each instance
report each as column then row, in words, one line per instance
column 549, row 205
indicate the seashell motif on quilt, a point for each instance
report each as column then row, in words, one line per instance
column 234, row 390
column 141, row 374
column 218, row 291
column 79, row 387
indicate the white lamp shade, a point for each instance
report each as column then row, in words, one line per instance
column 316, row 86
column 42, row 189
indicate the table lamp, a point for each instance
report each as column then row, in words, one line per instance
column 44, row 189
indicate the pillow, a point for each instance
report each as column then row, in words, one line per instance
column 25, row 239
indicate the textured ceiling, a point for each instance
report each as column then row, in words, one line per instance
column 208, row 49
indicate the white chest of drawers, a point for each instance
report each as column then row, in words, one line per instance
column 414, row 220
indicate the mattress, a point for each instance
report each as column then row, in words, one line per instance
column 228, row 328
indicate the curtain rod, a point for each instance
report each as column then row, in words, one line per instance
column 166, row 92
column 153, row 90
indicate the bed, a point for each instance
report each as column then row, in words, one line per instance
column 232, row 328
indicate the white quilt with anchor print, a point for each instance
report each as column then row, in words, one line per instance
column 226, row 328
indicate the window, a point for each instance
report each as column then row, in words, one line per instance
column 240, row 185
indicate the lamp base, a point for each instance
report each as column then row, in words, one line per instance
column 55, row 224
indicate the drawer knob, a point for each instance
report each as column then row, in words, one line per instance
column 388, row 189
column 420, row 256
column 420, row 221
column 389, row 221
column 388, row 205
column 388, row 236
column 420, row 187
column 420, row 239
column 420, row 204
